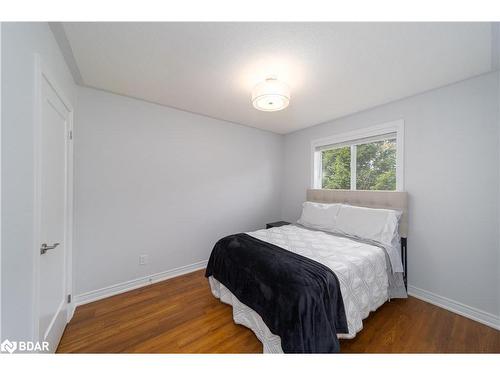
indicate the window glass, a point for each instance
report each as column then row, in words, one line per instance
column 336, row 168
column 376, row 165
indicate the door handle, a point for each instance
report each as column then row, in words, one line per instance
column 44, row 248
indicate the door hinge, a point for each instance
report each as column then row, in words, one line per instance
column 70, row 134
column 69, row 298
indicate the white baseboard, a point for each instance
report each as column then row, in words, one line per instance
column 112, row 290
column 456, row 307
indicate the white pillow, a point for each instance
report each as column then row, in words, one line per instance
column 375, row 224
column 319, row 216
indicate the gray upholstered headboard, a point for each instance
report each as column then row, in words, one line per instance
column 375, row 199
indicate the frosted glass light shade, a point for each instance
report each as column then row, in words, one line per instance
column 271, row 95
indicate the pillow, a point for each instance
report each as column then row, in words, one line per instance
column 319, row 216
column 374, row 224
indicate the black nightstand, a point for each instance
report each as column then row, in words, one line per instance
column 277, row 224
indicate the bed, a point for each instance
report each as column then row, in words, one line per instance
column 366, row 273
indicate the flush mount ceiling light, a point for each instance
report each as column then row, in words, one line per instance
column 271, row 95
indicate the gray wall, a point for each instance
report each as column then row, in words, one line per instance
column 20, row 41
column 167, row 183
column 452, row 177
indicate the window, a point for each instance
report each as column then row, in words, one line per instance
column 370, row 159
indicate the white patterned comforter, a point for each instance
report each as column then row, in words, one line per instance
column 361, row 269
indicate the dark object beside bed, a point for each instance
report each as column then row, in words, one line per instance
column 298, row 298
column 277, row 224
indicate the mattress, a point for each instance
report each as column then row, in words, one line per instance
column 361, row 269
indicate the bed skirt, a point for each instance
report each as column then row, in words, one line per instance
column 244, row 315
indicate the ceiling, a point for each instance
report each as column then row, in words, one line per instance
column 333, row 69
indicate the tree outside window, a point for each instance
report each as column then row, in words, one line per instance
column 374, row 166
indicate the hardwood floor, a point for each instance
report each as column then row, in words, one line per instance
column 180, row 315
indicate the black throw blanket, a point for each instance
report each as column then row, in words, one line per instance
column 298, row 298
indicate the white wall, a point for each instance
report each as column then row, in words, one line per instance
column 163, row 182
column 20, row 41
column 452, row 177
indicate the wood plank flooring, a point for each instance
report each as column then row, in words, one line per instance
column 180, row 315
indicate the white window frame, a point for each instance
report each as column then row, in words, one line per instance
column 396, row 126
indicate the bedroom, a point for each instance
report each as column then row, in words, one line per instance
column 250, row 187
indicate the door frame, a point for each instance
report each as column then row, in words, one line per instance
column 41, row 73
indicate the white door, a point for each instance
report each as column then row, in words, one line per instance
column 54, row 215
